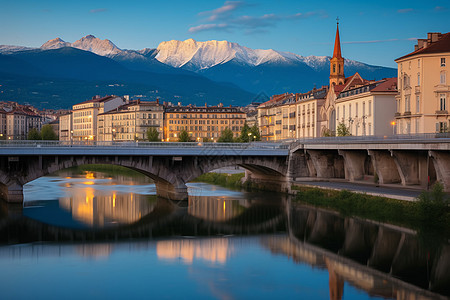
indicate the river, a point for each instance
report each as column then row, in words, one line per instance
column 105, row 234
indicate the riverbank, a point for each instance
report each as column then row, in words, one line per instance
column 428, row 210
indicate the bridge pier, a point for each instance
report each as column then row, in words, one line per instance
column 12, row 192
column 171, row 191
column 441, row 161
column 384, row 166
column 354, row 164
column 328, row 164
column 412, row 167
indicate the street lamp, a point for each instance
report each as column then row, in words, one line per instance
column 249, row 136
column 393, row 127
column 113, row 134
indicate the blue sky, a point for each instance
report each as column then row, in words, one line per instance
column 372, row 32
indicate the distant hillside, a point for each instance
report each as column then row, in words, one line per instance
column 67, row 75
column 188, row 71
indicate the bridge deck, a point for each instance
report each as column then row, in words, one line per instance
column 11, row 148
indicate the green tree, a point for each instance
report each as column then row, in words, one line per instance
column 153, row 135
column 343, row 130
column 327, row 132
column 226, row 136
column 47, row 133
column 245, row 137
column 184, row 136
column 433, row 205
column 34, row 134
column 256, row 136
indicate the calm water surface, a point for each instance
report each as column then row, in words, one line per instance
column 93, row 234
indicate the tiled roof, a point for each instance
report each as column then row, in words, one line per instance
column 96, row 100
column 440, row 46
column 388, row 85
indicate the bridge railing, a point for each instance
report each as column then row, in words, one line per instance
column 398, row 138
column 48, row 144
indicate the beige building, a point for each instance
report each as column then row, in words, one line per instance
column 65, row 127
column 276, row 118
column 202, row 123
column 2, row 124
column 368, row 109
column 19, row 121
column 308, row 118
column 84, row 116
column 130, row 122
column 424, row 87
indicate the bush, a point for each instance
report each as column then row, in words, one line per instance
column 433, row 206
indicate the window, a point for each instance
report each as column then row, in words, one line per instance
column 334, row 68
column 441, row 127
column 443, row 77
column 442, row 62
column 343, row 112
column 418, row 79
column 417, row 103
column 370, row 107
column 407, row 104
column 418, row 63
column 356, row 112
column 349, row 110
column 442, row 101
column 370, row 129
column 417, row 125
column 364, row 110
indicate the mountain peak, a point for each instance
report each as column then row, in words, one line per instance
column 55, row 44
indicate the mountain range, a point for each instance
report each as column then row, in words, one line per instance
column 64, row 73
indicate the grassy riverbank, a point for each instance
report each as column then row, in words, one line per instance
column 222, row 179
column 430, row 211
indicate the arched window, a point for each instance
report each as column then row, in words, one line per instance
column 339, row 68
column 334, row 68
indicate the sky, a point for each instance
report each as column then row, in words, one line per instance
column 371, row 32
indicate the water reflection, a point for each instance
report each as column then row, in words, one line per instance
column 318, row 253
column 211, row 250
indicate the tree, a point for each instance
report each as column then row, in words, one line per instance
column 245, row 137
column 256, row 136
column 327, row 132
column 184, row 136
column 34, row 134
column 47, row 133
column 343, row 130
column 153, row 135
column 226, row 136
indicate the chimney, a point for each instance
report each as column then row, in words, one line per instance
column 433, row 37
column 421, row 43
column 157, row 100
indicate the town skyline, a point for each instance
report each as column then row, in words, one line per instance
column 372, row 33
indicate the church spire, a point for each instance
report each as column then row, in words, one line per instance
column 337, row 61
column 337, row 43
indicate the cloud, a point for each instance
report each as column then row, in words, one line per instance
column 230, row 20
column 405, row 10
column 440, row 8
column 225, row 10
column 206, row 27
column 98, row 10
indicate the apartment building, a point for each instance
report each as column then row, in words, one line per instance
column 84, row 116
column 202, row 123
column 368, row 109
column 424, row 87
column 19, row 121
column 130, row 122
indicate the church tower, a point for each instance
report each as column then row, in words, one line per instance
column 337, row 62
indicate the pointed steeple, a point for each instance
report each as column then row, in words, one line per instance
column 337, row 43
column 337, row 61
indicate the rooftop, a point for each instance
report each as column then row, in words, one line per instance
column 435, row 43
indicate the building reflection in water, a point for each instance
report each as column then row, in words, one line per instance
column 210, row 250
column 214, row 208
column 94, row 206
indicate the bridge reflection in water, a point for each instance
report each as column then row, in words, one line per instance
column 383, row 260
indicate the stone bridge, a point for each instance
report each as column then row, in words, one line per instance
column 170, row 165
column 272, row 166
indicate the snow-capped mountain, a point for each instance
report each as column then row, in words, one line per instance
column 258, row 71
column 88, row 43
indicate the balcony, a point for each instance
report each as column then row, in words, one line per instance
column 442, row 112
column 407, row 113
column 397, row 114
column 417, row 89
